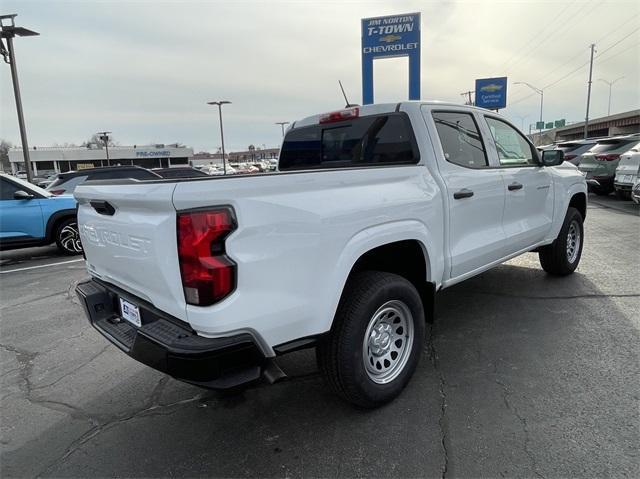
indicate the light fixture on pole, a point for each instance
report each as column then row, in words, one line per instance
column 282, row 123
column 539, row 92
column 219, row 105
column 104, row 136
column 9, row 31
column 610, row 83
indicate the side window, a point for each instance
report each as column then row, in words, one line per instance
column 513, row 149
column 7, row 189
column 461, row 141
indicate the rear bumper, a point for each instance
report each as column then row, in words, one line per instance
column 169, row 344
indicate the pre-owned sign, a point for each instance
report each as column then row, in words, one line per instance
column 392, row 36
column 491, row 93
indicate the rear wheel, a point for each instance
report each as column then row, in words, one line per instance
column 623, row 195
column 376, row 341
column 562, row 257
column 68, row 238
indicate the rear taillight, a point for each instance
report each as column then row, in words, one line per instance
column 208, row 274
column 609, row 157
column 342, row 115
column 569, row 157
column 56, row 192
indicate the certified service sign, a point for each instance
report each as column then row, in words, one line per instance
column 392, row 36
column 491, row 93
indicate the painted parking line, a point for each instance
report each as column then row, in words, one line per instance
column 41, row 266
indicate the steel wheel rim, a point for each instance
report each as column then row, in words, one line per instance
column 388, row 341
column 70, row 238
column 573, row 241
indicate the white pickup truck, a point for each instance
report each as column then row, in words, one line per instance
column 371, row 212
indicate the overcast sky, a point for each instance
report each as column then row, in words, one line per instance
column 145, row 69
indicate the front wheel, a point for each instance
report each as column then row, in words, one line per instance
column 376, row 340
column 561, row 257
column 68, row 238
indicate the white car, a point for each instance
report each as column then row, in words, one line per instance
column 374, row 209
column 635, row 191
column 627, row 172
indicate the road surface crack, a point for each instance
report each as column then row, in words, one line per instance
column 506, row 394
column 433, row 356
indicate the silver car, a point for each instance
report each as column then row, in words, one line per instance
column 627, row 172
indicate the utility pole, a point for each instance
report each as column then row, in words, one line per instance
column 219, row 105
column 468, row 95
column 610, row 83
column 8, row 32
column 104, row 136
column 586, row 119
column 282, row 123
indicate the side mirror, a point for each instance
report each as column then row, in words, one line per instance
column 22, row 195
column 552, row 157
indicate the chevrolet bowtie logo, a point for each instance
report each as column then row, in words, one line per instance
column 390, row 38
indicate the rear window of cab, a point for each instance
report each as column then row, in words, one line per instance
column 376, row 140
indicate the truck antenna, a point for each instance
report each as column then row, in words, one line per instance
column 348, row 105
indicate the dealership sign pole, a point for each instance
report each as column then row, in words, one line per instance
column 388, row 37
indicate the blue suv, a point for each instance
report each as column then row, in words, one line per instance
column 31, row 216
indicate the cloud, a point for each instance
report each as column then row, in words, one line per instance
column 146, row 69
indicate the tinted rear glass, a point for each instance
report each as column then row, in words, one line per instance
column 371, row 140
column 623, row 146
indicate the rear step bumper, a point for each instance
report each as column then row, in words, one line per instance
column 169, row 344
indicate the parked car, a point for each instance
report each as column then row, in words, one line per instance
column 573, row 149
column 31, row 216
column 627, row 172
column 635, row 191
column 375, row 209
column 66, row 183
column 21, row 174
column 44, row 181
column 600, row 162
column 179, row 172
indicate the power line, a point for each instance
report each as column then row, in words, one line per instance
column 536, row 36
column 575, row 70
column 635, row 45
column 618, row 42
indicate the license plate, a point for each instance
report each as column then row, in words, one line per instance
column 626, row 179
column 130, row 312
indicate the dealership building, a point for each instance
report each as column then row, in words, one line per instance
column 61, row 159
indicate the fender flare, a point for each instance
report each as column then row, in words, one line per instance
column 371, row 238
column 54, row 218
column 562, row 205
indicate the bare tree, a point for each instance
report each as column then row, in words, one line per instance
column 95, row 139
column 4, row 155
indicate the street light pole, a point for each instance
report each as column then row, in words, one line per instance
column 8, row 32
column 104, row 136
column 219, row 104
column 282, row 123
column 539, row 92
column 610, row 83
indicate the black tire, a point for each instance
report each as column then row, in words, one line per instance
column 341, row 354
column 602, row 190
column 67, row 237
column 623, row 195
column 557, row 258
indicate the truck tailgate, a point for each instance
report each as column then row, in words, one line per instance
column 128, row 232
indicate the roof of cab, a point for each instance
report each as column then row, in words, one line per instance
column 378, row 108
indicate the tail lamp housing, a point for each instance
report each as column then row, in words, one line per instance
column 609, row 157
column 208, row 274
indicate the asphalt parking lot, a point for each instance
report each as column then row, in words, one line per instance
column 523, row 375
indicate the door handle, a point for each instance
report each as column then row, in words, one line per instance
column 463, row 193
column 514, row 186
